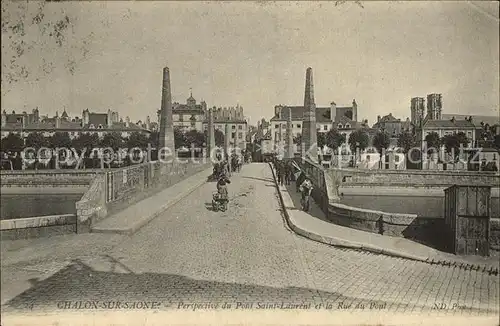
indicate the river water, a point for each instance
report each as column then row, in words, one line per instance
column 20, row 206
column 423, row 206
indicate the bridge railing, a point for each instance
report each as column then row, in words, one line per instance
column 115, row 190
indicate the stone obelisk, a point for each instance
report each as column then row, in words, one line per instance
column 227, row 146
column 309, row 138
column 290, row 150
column 210, row 134
column 166, row 123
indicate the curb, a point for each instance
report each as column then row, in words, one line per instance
column 346, row 244
column 142, row 222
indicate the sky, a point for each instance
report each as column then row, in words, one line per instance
column 255, row 54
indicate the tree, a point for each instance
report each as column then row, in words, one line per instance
column 320, row 139
column 433, row 141
column 219, row 138
column 334, row 139
column 358, row 140
column 138, row 139
column 194, row 137
column 407, row 141
column 154, row 139
column 36, row 140
column 453, row 142
column 179, row 138
column 41, row 28
column 381, row 142
column 112, row 140
column 85, row 143
column 12, row 143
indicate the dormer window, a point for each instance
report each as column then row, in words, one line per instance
column 340, row 126
column 348, row 125
column 100, row 127
column 91, row 126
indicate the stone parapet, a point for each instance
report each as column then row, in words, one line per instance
column 414, row 178
column 117, row 189
column 38, row 226
column 423, row 229
column 48, row 177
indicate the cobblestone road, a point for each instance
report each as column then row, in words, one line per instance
column 247, row 257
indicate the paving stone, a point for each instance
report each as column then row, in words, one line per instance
column 191, row 254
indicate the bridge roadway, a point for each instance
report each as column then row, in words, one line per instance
column 246, row 256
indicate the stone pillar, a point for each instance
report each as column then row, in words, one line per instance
column 210, row 133
column 227, row 139
column 227, row 146
column 166, row 123
column 290, row 152
column 309, row 138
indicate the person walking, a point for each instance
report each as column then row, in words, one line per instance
column 288, row 173
column 282, row 172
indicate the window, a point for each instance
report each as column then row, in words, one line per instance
column 276, row 126
column 298, row 126
column 100, row 127
column 340, row 126
column 240, row 127
column 347, row 125
column 240, row 135
column 193, row 124
column 396, row 158
column 181, row 118
column 91, row 126
column 325, row 127
column 233, row 127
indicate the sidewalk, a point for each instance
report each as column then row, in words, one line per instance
column 139, row 214
column 315, row 226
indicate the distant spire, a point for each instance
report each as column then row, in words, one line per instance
column 191, row 91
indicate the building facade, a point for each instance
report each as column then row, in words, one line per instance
column 189, row 116
column 90, row 122
column 342, row 118
column 238, row 129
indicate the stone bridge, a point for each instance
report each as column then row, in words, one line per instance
column 246, row 256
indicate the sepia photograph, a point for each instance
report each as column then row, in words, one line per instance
column 250, row 163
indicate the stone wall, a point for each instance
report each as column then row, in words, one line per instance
column 408, row 226
column 413, row 178
column 47, row 178
column 40, row 226
column 422, row 229
column 92, row 206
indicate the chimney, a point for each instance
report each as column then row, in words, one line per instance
column 58, row 122
column 110, row 118
column 148, row 123
column 127, row 122
column 25, row 119
column 36, row 115
column 378, row 118
column 85, row 117
column 277, row 110
column 4, row 118
column 354, row 110
column 452, row 119
column 333, row 111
